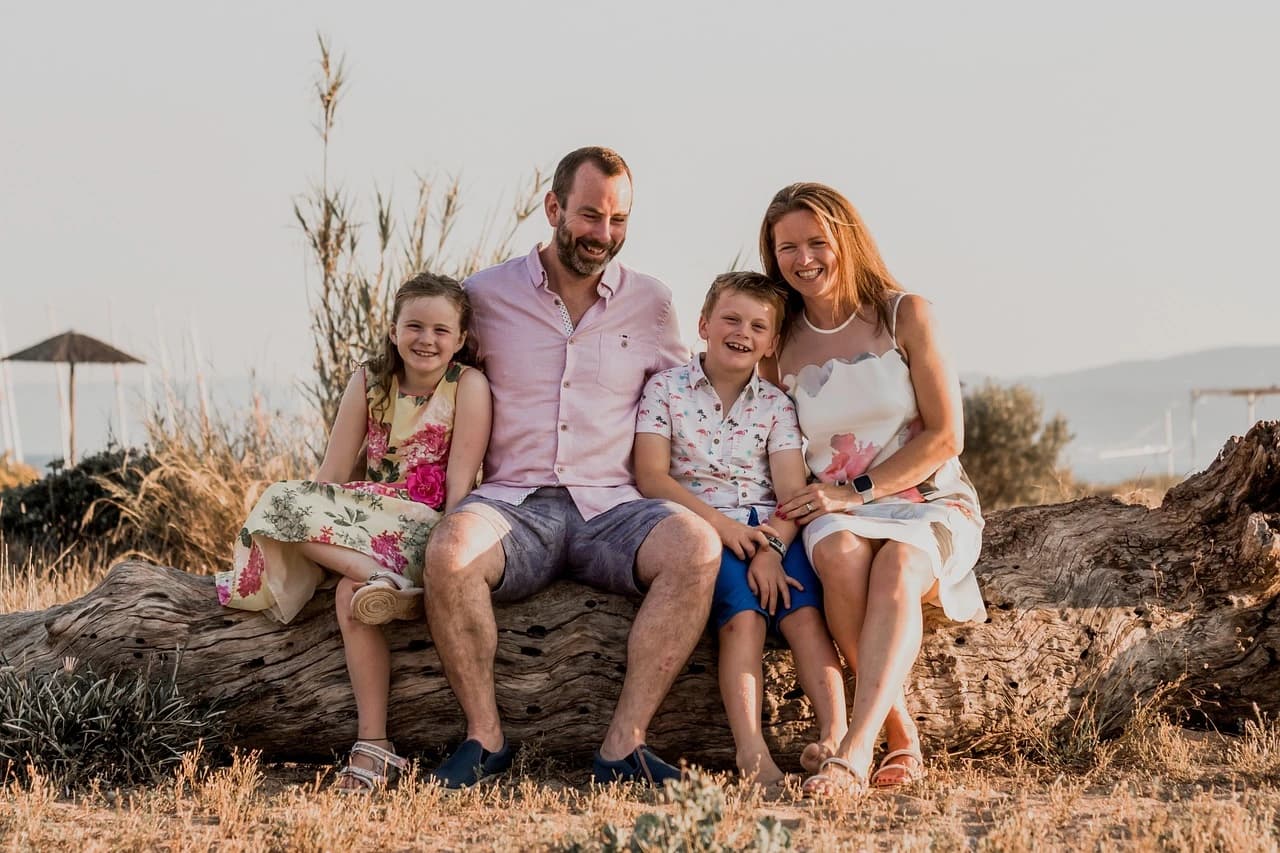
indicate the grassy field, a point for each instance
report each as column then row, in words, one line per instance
column 1158, row 787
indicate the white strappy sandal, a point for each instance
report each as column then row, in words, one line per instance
column 386, row 596
column 823, row 784
column 371, row 780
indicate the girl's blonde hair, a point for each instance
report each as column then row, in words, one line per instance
column 381, row 368
column 862, row 277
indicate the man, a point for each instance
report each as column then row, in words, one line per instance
column 568, row 337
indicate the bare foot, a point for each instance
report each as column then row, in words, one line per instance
column 759, row 770
column 816, row 753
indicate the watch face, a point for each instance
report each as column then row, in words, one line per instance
column 862, row 483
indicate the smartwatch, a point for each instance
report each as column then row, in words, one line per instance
column 864, row 487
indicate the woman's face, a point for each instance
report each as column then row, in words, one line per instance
column 805, row 255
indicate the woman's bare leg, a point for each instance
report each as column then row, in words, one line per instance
column 888, row 644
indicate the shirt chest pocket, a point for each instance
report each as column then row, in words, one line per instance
column 622, row 362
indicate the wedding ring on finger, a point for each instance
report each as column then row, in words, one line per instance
column 808, row 507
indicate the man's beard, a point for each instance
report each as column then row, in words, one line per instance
column 575, row 262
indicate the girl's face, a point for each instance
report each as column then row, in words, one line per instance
column 428, row 333
column 805, row 255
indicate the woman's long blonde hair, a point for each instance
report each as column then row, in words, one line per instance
column 863, row 278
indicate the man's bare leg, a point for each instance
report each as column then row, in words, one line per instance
column 464, row 561
column 678, row 563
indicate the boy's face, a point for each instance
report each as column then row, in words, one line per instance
column 739, row 331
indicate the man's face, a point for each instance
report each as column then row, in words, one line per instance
column 591, row 226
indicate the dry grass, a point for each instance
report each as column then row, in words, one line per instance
column 15, row 473
column 1157, row 787
column 208, row 474
column 965, row 805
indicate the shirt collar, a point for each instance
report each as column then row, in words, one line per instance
column 697, row 376
column 609, row 281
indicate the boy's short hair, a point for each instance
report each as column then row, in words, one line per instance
column 751, row 284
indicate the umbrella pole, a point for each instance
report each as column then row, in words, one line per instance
column 71, row 411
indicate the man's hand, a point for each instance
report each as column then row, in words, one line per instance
column 769, row 582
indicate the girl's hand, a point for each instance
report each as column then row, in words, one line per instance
column 817, row 499
column 769, row 582
column 743, row 540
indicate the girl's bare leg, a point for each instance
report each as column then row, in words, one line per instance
column 369, row 667
column 344, row 561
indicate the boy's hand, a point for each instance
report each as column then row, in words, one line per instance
column 742, row 539
column 769, row 582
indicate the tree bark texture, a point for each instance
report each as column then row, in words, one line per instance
column 1093, row 606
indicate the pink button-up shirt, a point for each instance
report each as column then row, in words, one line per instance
column 565, row 401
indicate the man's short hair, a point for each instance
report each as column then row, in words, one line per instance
column 751, row 284
column 607, row 160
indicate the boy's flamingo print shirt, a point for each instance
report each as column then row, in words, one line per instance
column 722, row 457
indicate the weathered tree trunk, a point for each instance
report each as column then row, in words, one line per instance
column 1093, row 606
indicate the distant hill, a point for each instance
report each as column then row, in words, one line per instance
column 1120, row 406
column 1113, row 407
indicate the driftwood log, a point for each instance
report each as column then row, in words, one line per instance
column 1094, row 606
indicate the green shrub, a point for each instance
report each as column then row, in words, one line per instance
column 70, row 503
column 73, row 726
column 1010, row 451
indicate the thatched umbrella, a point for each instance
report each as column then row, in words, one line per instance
column 73, row 348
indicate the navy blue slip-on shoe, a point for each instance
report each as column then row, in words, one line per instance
column 640, row 766
column 470, row 763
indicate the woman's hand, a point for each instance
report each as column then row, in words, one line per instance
column 817, row 499
column 742, row 539
column 769, row 582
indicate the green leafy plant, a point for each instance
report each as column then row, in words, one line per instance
column 74, row 726
column 1010, row 451
column 69, row 503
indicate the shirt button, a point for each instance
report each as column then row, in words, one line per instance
column 559, row 469
column 564, row 427
column 624, row 344
column 570, row 340
column 566, row 384
column 717, row 407
column 557, row 300
column 715, row 441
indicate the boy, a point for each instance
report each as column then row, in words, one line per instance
column 715, row 437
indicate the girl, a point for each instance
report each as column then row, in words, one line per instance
column 891, row 521
column 423, row 418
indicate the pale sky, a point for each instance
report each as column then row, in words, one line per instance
column 1072, row 184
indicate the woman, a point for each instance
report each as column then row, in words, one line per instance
column 891, row 521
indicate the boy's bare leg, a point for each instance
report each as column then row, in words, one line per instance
column 678, row 563
column 742, row 688
column 821, row 677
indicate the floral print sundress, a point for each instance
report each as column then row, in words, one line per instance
column 857, row 407
column 387, row 517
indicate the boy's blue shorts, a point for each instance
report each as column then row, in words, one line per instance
column 733, row 595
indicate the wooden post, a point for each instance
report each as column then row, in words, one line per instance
column 71, row 414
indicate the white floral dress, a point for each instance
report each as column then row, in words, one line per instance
column 857, row 407
column 387, row 517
